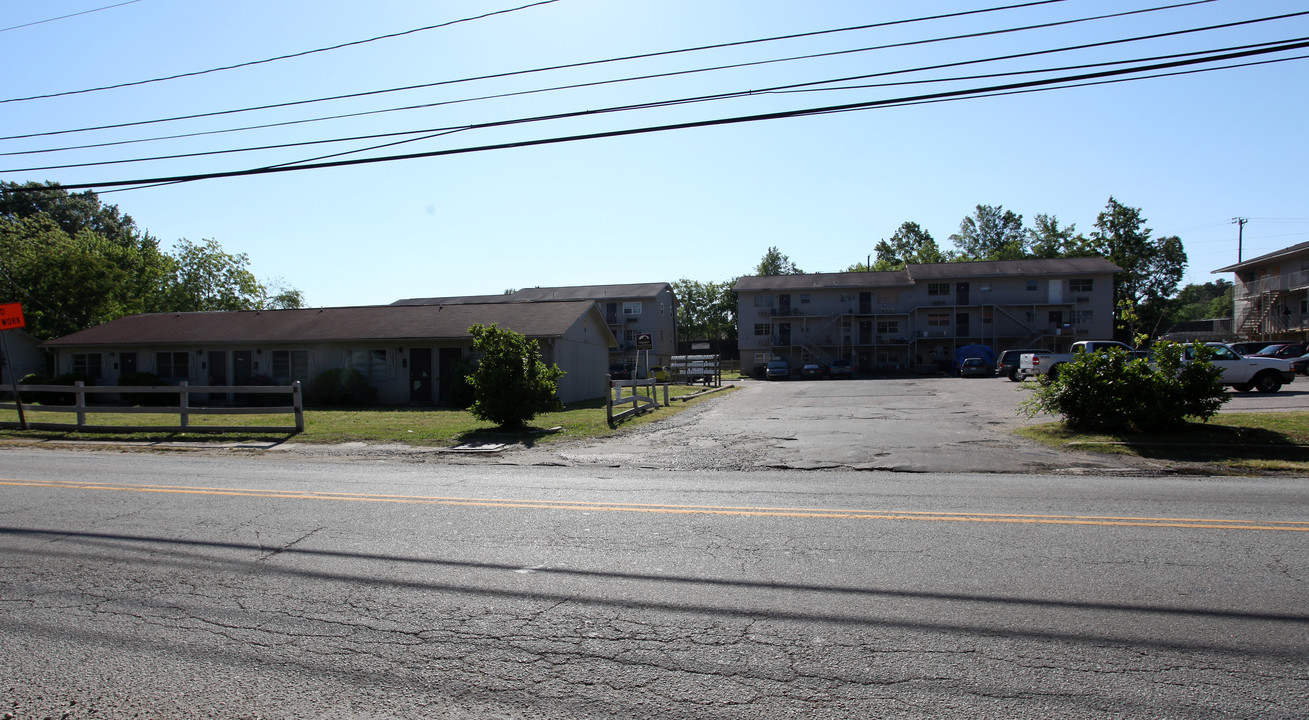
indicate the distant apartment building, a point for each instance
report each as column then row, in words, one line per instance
column 1271, row 295
column 635, row 313
column 919, row 316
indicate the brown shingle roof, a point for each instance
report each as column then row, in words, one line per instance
column 542, row 294
column 383, row 322
column 934, row 271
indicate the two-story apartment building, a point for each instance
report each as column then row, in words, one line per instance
column 920, row 315
column 633, row 311
column 1271, row 295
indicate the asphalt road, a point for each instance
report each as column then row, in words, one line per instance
column 320, row 586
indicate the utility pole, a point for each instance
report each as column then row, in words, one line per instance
column 1240, row 234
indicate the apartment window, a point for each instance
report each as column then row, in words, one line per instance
column 629, row 335
column 938, row 319
column 763, row 329
column 1081, row 285
column 888, row 297
column 632, row 308
column 1031, row 286
column 88, row 364
column 987, row 315
column 763, row 300
column 847, row 297
column 984, row 287
column 290, row 365
column 938, row 288
column 888, row 327
column 1083, row 317
column 370, row 363
column 804, row 298
column 173, row 365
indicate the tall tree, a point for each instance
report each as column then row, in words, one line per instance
column 990, row 233
column 1152, row 268
column 206, row 278
column 775, row 263
column 910, row 244
column 1045, row 239
column 705, row 311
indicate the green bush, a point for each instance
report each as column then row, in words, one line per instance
column 1111, row 391
column 511, row 385
column 146, row 379
column 53, row 398
column 340, row 387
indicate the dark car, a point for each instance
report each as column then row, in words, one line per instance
column 621, row 371
column 777, row 370
column 812, row 371
column 1249, row 348
column 1286, row 351
column 1009, row 361
column 974, row 367
column 841, row 369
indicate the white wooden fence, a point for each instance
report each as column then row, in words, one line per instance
column 640, row 403
column 183, row 409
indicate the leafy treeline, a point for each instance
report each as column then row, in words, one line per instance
column 1146, row 296
column 74, row 262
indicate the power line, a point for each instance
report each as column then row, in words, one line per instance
column 275, row 59
column 848, row 107
column 791, row 88
column 70, row 15
column 406, row 88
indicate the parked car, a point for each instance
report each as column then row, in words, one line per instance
column 1246, row 373
column 812, row 371
column 974, row 367
column 1300, row 365
column 841, row 369
column 777, row 370
column 621, row 371
column 1249, row 348
column 1011, row 360
column 1287, row 351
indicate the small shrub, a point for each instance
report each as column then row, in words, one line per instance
column 146, row 379
column 1111, row 391
column 511, row 384
column 340, row 387
column 53, row 398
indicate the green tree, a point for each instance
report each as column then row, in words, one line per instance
column 775, row 263
column 511, row 384
column 65, row 283
column 1201, row 302
column 910, row 244
column 990, row 233
column 1045, row 239
column 705, row 311
column 1152, row 268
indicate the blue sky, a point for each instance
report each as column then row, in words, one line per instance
column 1191, row 151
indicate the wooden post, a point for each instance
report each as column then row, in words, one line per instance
column 13, row 380
column 79, row 402
column 183, row 402
column 298, row 405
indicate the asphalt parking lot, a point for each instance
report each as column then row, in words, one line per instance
column 939, row 424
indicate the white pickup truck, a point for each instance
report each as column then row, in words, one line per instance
column 1245, row 373
column 1034, row 364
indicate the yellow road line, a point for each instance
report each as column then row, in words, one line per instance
column 723, row 510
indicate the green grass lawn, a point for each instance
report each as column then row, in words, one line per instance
column 414, row 426
column 1255, row 442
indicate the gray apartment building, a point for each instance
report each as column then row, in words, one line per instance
column 1271, row 295
column 919, row 316
column 632, row 311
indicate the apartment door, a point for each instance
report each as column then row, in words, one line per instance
column 449, row 365
column 420, row 375
column 961, row 324
column 865, row 303
column 217, row 372
column 784, row 304
column 243, row 368
column 961, row 293
column 784, row 333
column 127, row 363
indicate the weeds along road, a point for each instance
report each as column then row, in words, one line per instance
column 278, row 586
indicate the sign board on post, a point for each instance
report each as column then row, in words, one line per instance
column 644, row 341
column 11, row 316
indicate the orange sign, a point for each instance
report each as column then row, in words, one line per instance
column 11, row 316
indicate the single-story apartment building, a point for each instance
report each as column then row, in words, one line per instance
column 409, row 354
